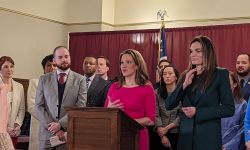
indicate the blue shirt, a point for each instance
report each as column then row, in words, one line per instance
column 232, row 128
column 247, row 123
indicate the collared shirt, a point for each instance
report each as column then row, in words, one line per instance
column 90, row 79
column 65, row 77
column 106, row 78
column 245, row 81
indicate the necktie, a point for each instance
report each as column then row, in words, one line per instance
column 61, row 77
column 87, row 82
column 242, row 83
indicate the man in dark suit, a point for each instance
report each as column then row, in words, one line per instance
column 243, row 72
column 102, row 67
column 97, row 86
column 55, row 91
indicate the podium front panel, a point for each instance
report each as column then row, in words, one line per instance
column 105, row 129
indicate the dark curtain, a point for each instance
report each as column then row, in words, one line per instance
column 229, row 41
column 110, row 45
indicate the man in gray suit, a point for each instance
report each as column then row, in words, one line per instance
column 55, row 91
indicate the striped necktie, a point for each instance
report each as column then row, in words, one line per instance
column 61, row 78
column 87, row 82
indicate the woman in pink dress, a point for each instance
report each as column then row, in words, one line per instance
column 133, row 93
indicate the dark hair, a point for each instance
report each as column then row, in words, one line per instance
column 237, row 90
column 48, row 58
column 141, row 76
column 245, row 54
column 106, row 59
column 3, row 59
column 164, row 60
column 90, row 57
column 162, row 90
column 58, row 48
column 209, row 62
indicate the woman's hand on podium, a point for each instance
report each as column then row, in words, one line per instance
column 115, row 104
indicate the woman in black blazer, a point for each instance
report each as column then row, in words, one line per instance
column 205, row 93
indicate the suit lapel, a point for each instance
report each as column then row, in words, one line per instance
column 194, row 100
column 248, row 82
column 197, row 97
column 68, row 85
column 54, row 83
column 93, row 85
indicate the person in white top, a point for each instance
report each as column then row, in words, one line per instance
column 15, row 97
column 48, row 66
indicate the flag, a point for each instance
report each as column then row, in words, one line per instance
column 162, row 49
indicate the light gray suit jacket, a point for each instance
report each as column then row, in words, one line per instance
column 75, row 94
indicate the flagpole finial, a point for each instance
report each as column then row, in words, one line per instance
column 162, row 14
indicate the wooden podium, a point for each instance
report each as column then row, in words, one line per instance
column 101, row 129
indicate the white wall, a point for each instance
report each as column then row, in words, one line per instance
column 51, row 9
column 108, row 11
column 84, row 11
column 27, row 41
column 140, row 11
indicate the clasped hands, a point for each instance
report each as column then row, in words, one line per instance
column 55, row 129
column 14, row 132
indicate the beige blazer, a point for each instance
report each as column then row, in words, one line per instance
column 34, row 125
column 18, row 105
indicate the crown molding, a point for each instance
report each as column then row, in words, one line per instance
column 91, row 23
column 126, row 24
column 32, row 16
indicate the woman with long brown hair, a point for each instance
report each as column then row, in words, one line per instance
column 133, row 93
column 206, row 97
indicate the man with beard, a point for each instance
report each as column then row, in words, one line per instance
column 55, row 91
column 97, row 86
column 243, row 71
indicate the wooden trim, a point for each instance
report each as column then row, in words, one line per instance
column 32, row 16
column 127, row 24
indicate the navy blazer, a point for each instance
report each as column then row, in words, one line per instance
column 203, row 131
column 246, row 90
